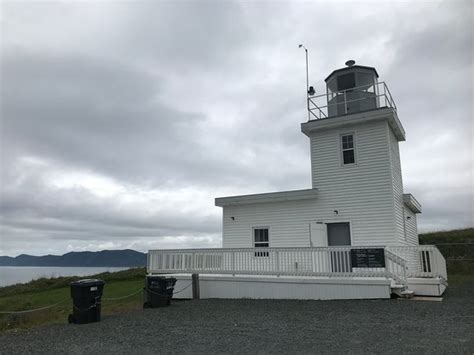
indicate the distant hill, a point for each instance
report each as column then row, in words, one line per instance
column 445, row 237
column 104, row 258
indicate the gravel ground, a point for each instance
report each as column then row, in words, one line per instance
column 216, row 326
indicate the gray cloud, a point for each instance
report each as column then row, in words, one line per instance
column 120, row 122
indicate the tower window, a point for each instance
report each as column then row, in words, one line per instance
column 346, row 81
column 348, row 152
column 260, row 236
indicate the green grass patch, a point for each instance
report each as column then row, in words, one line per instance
column 58, row 282
column 454, row 236
column 45, row 292
column 460, row 267
column 457, row 247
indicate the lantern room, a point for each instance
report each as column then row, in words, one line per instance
column 352, row 89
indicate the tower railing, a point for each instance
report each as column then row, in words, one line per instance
column 353, row 100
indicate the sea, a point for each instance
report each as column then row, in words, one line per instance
column 10, row 275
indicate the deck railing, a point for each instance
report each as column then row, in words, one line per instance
column 400, row 262
column 422, row 261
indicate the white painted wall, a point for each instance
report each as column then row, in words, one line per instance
column 411, row 227
column 396, row 172
column 268, row 287
column 288, row 222
column 405, row 219
column 362, row 193
column 368, row 195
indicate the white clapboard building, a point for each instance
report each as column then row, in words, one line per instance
column 353, row 234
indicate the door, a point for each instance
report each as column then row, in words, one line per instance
column 339, row 234
column 318, row 234
column 320, row 258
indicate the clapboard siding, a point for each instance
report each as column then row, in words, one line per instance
column 362, row 193
column 397, row 183
column 288, row 222
column 411, row 227
column 368, row 194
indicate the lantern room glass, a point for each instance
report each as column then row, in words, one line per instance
column 351, row 91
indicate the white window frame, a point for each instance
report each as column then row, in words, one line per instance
column 347, row 149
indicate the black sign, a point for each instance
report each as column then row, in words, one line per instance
column 370, row 257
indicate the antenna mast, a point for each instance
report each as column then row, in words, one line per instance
column 307, row 79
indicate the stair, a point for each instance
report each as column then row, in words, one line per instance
column 401, row 291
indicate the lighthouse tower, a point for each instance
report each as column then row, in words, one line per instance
column 356, row 197
column 354, row 134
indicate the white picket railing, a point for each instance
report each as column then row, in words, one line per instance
column 400, row 262
column 396, row 267
column 422, row 261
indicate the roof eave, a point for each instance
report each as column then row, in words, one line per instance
column 270, row 197
column 382, row 113
column 411, row 202
column 353, row 67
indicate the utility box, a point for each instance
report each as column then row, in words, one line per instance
column 86, row 297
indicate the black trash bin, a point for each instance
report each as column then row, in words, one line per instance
column 86, row 297
column 158, row 291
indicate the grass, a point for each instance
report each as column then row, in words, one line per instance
column 453, row 236
column 44, row 292
column 59, row 282
column 457, row 246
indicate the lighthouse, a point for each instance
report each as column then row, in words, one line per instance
column 351, row 234
column 357, row 196
column 354, row 133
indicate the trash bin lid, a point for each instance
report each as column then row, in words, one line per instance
column 88, row 282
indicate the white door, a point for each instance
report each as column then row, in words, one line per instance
column 319, row 234
column 320, row 258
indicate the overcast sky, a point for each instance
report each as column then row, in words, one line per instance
column 122, row 121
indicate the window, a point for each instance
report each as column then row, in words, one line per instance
column 260, row 238
column 365, row 81
column 348, row 152
column 346, row 81
column 331, row 88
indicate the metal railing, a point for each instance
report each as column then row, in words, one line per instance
column 400, row 262
column 357, row 99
